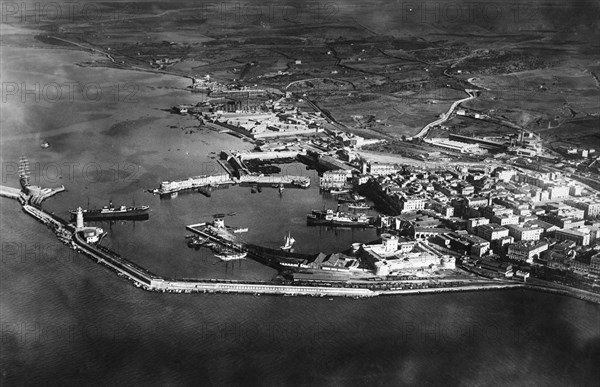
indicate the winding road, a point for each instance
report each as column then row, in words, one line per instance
column 445, row 116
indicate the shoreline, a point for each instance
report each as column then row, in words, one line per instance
column 142, row 278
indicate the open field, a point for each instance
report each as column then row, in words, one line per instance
column 379, row 69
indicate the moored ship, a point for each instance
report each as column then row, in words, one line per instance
column 336, row 218
column 112, row 213
column 230, row 256
column 359, row 206
column 288, row 243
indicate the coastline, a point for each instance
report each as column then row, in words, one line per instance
column 149, row 281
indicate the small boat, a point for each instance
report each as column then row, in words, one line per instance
column 339, row 191
column 359, row 206
column 239, row 230
column 280, row 187
column 230, row 256
column 232, row 213
column 196, row 242
column 303, row 183
column 206, row 191
column 254, row 188
column 357, row 197
column 258, row 188
column 275, row 185
column 44, row 144
column 289, row 243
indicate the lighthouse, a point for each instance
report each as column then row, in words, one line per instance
column 79, row 223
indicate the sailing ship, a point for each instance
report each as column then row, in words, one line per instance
column 24, row 173
column 288, row 242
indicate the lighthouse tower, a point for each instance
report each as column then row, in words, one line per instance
column 79, row 223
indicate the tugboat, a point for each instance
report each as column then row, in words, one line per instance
column 359, row 206
column 112, row 213
column 289, row 243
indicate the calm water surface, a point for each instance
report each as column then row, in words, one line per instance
column 68, row 321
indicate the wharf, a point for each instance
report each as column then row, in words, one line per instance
column 300, row 181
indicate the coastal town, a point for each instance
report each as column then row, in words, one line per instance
column 288, row 193
column 475, row 213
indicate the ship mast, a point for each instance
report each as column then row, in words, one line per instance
column 24, row 173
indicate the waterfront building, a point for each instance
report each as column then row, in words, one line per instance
column 493, row 268
column 193, row 182
column 331, row 163
column 595, row 265
column 333, row 262
column 472, row 244
column 526, row 251
column 580, row 265
column 335, row 179
column 387, row 258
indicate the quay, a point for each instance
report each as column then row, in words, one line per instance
column 168, row 187
column 299, row 181
column 171, row 187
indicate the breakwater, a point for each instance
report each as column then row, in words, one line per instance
column 147, row 280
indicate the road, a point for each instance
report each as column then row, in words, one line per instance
column 445, row 116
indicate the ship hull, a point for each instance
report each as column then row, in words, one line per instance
column 128, row 215
column 333, row 223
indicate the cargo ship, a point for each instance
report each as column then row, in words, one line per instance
column 111, row 213
column 336, row 218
